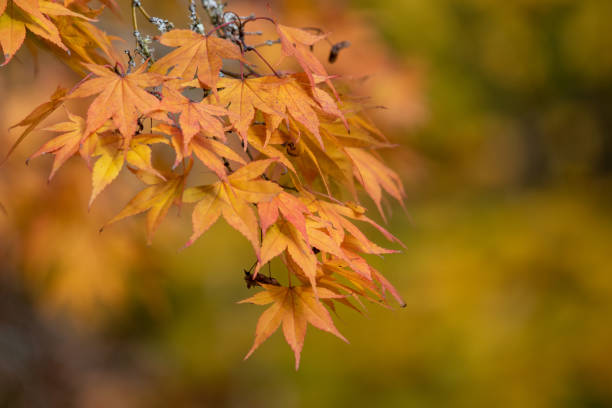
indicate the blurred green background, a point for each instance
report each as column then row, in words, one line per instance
column 503, row 111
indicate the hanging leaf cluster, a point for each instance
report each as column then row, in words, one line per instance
column 288, row 154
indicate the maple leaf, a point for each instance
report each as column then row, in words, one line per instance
column 194, row 117
column 120, row 98
column 375, row 176
column 312, row 161
column 84, row 39
column 210, row 151
column 296, row 43
column 39, row 114
column 65, row 145
column 112, row 158
column 232, row 199
column 282, row 237
column 17, row 15
column 139, row 153
column 294, row 307
column 242, row 97
column 289, row 206
column 257, row 138
column 362, row 133
column 107, row 167
column 156, row 199
column 196, row 54
column 290, row 97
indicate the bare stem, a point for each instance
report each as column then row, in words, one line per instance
column 142, row 47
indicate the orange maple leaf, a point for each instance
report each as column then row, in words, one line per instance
column 283, row 236
column 121, row 97
column 65, row 145
column 109, row 147
column 194, row 116
column 156, row 199
column 294, row 307
column 290, row 97
column 17, row 15
column 289, row 206
column 36, row 116
column 196, row 53
column 210, row 151
column 296, row 43
column 374, row 176
column 232, row 199
column 242, row 97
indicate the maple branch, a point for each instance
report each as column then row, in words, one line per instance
column 249, row 48
column 265, row 43
column 134, row 20
column 141, row 43
column 142, row 10
column 214, row 10
column 215, row 29
column 253, row 18
column 196, row 24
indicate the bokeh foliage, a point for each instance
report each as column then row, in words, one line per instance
column 504, row 112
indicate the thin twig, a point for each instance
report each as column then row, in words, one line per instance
column 264, row 60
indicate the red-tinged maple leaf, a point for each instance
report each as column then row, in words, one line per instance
column 194, row 117
column 359, row 136
column 386, row 285
column 337, row 215
column 358, row 284
column 296, row 43
column 290, row 97
column 355, row 212
column 210, row 151
column 312, row 162
column 326, row 103
column 242, row 97
column 232, row 199
column 39, row 114
column 17, row 15
column 121, row 97
column 156, row 199
column 283, row 236
column 291, row 208
column 257, row 138
column 375, row 177
column 196, row 54
column 294, row 307
column 65, row 145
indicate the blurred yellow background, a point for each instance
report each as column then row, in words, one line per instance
column 503, row 114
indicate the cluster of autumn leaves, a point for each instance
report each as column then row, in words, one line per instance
column 280, row 146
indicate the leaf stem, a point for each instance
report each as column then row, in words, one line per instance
column 249, row 48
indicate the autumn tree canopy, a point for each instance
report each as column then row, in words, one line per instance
column 289, row 151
